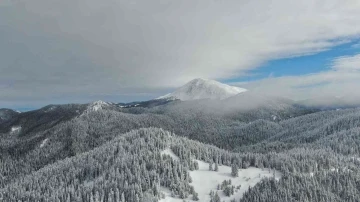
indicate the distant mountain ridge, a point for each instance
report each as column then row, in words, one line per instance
column 203, row 89
column 6, row 114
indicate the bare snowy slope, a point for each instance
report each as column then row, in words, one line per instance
column 203, row 89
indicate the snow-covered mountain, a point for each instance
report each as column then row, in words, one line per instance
column 204, row 89
column 97, row 105
column 6, row 114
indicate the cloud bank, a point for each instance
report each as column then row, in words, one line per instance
column 75, row 50
column 341, row 80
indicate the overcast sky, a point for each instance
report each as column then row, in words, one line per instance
column 63, row 51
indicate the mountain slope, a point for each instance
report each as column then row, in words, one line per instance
column 117, row 164
column 91, row 156
column 6, row 114
column 42, row 119
column 203, row 89
column 135, row 167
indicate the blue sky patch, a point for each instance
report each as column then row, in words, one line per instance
column 301, row 65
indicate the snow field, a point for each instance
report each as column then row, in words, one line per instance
column 204, row 180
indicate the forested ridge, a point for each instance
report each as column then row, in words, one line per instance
column 115, row 154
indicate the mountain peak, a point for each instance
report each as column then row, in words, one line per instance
column 100, row 102
column 95, row 106
column 203, row 89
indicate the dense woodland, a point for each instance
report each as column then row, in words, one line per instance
column 114, row 154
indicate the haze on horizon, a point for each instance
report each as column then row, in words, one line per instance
column 54, row 51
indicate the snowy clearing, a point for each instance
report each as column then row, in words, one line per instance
column 204, row 180
column 15, row 129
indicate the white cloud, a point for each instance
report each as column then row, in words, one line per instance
column 342, row 79
column 347, row 63
column 89, row 47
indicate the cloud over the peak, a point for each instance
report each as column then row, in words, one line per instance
column 88, row 47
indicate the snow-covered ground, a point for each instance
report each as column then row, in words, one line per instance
column 169, row 152
column 344, row 169
column 44, row 142
column 168, row 197
column 97, row 105
column 15, row 129
column 355, row 158
column 204, row 180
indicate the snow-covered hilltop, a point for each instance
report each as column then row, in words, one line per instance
column 204, row 89
column 98, row 105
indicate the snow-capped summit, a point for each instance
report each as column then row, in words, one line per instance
column 203, row 89
column 97, row 105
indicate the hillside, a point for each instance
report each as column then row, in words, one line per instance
column 6, row 114
column 90, row 152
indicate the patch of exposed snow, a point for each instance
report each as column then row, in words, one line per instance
column 204, row 181
column 334, row 169
column 344, row 169
column 355, row 158
column 169, row 152
column 50, row 109
column 203, row 89
column 168, row 197
column 98, row 105
column 44, row 142
column 15, row 129
column 19, row 112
